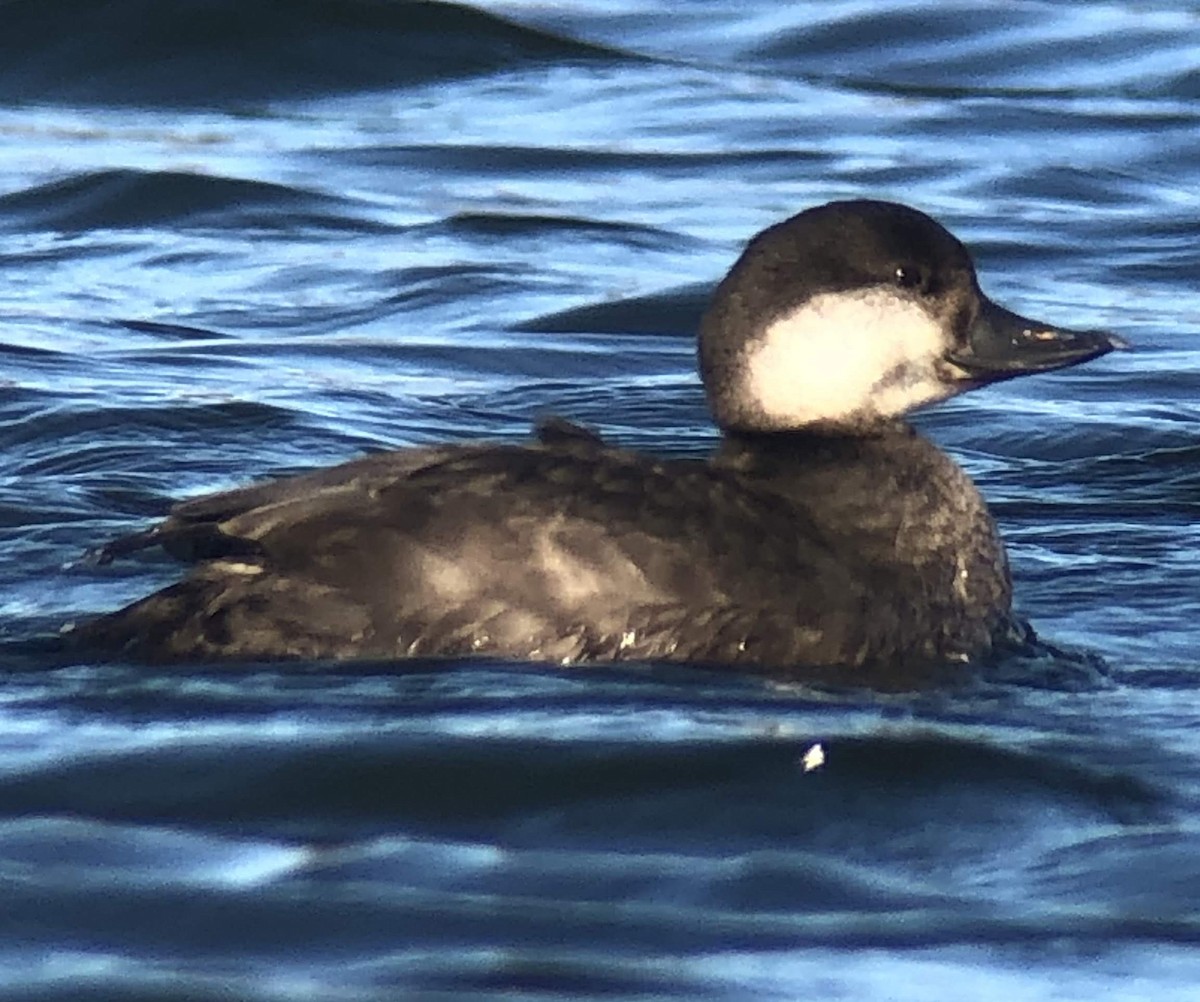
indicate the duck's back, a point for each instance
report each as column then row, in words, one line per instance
column 563, row 551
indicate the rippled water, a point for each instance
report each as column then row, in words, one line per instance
column 239, row 239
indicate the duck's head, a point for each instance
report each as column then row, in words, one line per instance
column 850, row 315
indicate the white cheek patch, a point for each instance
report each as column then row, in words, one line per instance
column 842, row 356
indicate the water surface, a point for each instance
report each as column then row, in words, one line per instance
column 243, row 239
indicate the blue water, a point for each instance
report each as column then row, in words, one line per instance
column 244, row 239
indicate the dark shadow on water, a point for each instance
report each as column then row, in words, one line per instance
column 224, row 53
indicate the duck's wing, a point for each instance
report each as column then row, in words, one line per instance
column 194, row 529
column 562, row 552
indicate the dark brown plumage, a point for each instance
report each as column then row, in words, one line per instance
column 835, row 539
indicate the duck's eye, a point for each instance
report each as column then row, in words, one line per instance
column 909, row 276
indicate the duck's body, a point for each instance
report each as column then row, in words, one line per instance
column 793, row 549
column 823, row 532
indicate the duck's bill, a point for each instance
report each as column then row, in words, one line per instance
column 1002, row 344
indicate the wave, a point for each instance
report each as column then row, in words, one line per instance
column 675, row 312
column 334, row 787
column 967, row 49
column 126, row 198
column 217, row 53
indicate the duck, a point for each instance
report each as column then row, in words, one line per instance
column 822, row 534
